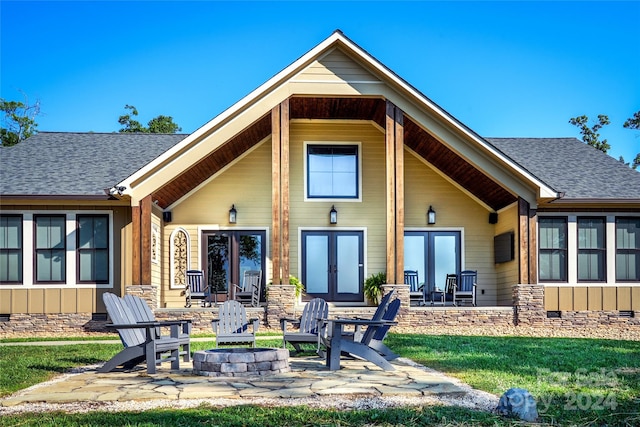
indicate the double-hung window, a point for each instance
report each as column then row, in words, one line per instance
column 11, row 249
column 592, row 251
column 50, row 248
column 553, row 249
column 93, row 248
column 628, row 249
column 332, row 171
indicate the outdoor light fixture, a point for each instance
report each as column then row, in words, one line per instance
column 232, row 214
column 333, row 215
column 431, row 216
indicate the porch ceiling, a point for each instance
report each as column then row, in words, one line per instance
column 374, row 109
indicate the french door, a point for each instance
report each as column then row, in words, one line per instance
column 228, row 254
column 333, row 264
column 433, row 254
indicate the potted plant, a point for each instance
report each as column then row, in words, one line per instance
column 373, row 287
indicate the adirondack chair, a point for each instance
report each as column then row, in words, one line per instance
column 249, row 292
column 377, row 315
column 143, row 314
column 140, row 340
column 368, row 348
column 308, row 327
column 232, row 326
column 466, row 288
column 197, row 288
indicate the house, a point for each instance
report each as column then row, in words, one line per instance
column 331, row 169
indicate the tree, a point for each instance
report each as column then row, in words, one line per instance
column 160, row 124
column 590, row 135
column 634, row 124
column 18, row 121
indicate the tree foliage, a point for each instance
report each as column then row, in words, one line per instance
column 633, row 123
column 160, row 124
column 589, row 134
column 18, row 121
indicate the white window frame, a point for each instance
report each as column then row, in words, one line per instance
column 172, row 248
column 572, row 248
column 306, row 174
column 71, row 282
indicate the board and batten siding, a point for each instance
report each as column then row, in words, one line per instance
column 594, row 298
column 455, row 210
column 67, row 298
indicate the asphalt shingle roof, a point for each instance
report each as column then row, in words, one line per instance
column 77, row 164
column 84, row 164
column 570, row 166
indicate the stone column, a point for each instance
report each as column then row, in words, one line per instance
column 281, row 301
column 402, row 292
column 528, row 303
column 149, row 293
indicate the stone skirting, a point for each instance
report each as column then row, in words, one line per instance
column 149, row 293
column 456, row 316
column 592, row 319
column 58, row 324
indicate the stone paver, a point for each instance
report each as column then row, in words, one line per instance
column 309, row 377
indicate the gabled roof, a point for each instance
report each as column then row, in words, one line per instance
column 377, row 81
column 574, row 168
column 77, row 164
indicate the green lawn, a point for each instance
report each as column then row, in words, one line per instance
column 575, row 382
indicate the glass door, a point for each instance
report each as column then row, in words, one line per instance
column 228, row 254
column 333, row 264
column 433, row 254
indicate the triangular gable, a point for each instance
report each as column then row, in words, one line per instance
column 336, row 67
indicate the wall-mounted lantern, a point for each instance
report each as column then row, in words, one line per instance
column 431, row 216
column 233, row 213
column 333, row 215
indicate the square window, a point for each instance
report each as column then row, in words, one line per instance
column 332, row 172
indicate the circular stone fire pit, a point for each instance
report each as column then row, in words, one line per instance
column 241, row 362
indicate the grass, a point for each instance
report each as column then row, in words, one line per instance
column 575, row 382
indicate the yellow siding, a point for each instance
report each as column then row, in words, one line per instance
column 52, row 302
column 335, row 67
column 5, row 301
column 580, row 300
column 369, row 213
column 69, row 301
column 565, row 299
column 624, row 298
column 454, row 209
column 507, row 272
column 635, row 299
column 594, row 295
column 609, row 298
column 19, row 301
column 551, row 298
column 245, row 184
column 35, row 304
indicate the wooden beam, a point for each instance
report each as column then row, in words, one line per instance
column 390, row 191
column 399, row 193
column 533, row 246
column 284, row 182
column 523, row 241
column 136, row 243
column 145, row 234
column 275, row 195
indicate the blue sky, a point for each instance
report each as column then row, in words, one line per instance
column 502, row 68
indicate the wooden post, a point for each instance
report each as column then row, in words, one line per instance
column 136, row 243
column 145, row 234
column 399, row 194
column 284, row 181
column 390, row 191
column 275, row 195
column 523, row 241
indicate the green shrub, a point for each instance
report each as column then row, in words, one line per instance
column 293, row 280
column 373, row 287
